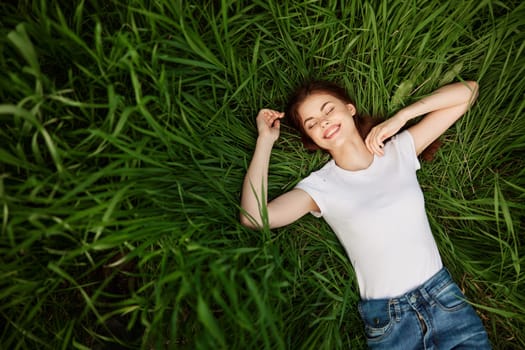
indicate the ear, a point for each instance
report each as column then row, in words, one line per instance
column 351, row 108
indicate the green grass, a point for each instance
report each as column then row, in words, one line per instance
column 126, row 131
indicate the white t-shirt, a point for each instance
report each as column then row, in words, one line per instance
column 379, row 216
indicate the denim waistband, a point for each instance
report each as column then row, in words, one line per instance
column 418, row 295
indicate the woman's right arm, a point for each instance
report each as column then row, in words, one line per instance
column 284, row 209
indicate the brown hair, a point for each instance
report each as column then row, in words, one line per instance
column 363, row 123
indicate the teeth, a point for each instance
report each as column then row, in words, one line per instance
column 332, row 132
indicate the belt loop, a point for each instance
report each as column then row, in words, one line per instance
column 397, row 309
column 426, row 296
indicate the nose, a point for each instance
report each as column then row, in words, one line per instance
column 325, row 122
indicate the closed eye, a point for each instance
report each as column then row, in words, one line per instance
column 311, row 125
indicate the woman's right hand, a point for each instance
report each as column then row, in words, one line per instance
column 268, row 124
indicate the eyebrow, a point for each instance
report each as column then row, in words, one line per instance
column 320, row 109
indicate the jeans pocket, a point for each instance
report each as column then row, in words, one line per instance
column 377, row 319
column 450, row 298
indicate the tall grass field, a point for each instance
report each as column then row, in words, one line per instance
column 126, row 128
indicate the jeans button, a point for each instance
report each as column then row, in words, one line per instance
column 413, row 299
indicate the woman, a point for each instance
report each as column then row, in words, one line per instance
column 369, row 195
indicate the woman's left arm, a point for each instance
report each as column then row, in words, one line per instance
column 443, row 107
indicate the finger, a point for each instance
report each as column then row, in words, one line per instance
column 278, row 115
column 378, row 150
column 380, row 143
column 381, row 150
column 272, row 114
column 379, row 146
column 374, row 148
column 374, row 143
column 378, row 138
column 370, row 140
column 273, row 119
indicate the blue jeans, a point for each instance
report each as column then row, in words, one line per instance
column 433, row 316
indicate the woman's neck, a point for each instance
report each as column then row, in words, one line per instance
column 353, row 155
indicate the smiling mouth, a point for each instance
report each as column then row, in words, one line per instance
column 331, row 131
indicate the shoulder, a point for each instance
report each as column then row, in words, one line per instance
column 318, row 177
column 403, row 145
column 403, row 138
column 318, row 184
column 402, row 141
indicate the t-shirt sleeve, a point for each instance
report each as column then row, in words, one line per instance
column 407, row 149
column 310, row 185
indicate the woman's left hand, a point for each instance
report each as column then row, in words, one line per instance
column 375, row 139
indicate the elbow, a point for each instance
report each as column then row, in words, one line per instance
column 474, row 89
column 248, row 222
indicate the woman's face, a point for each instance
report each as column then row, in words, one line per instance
column 327, row 120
